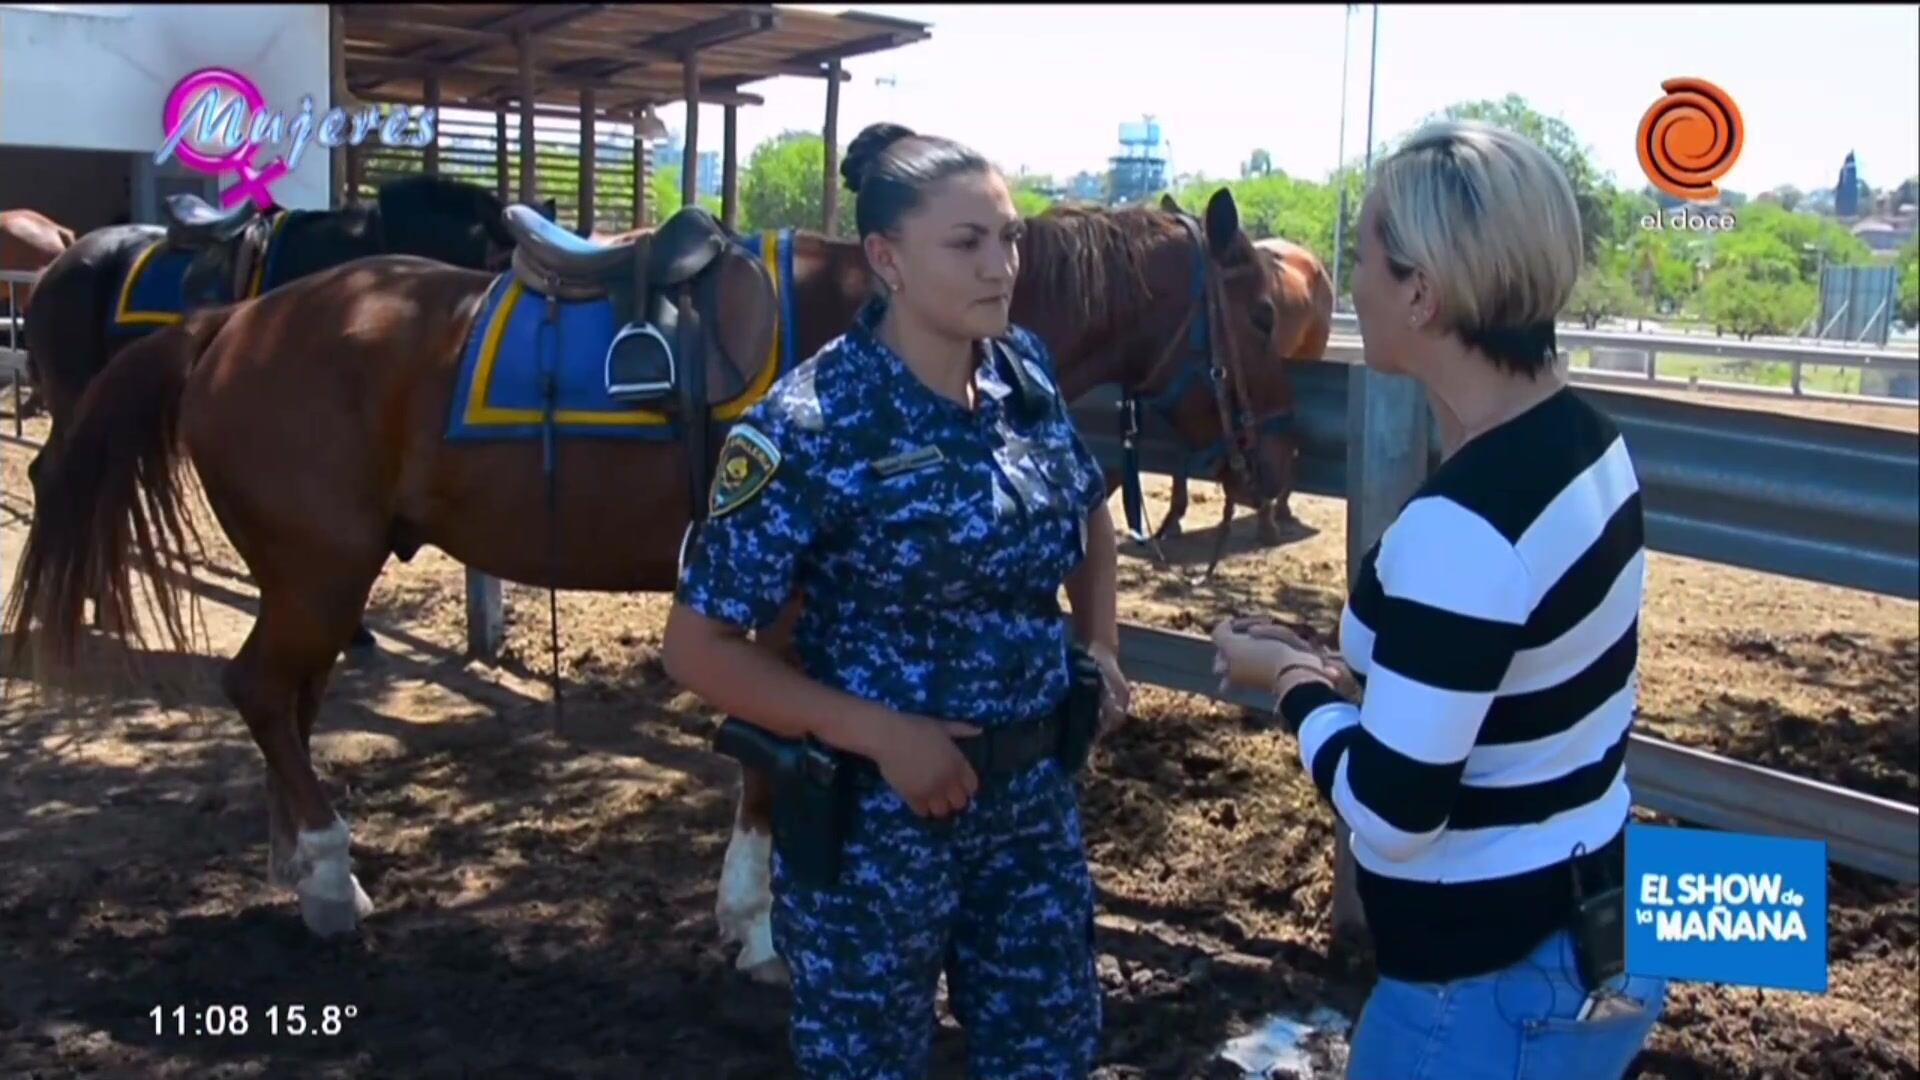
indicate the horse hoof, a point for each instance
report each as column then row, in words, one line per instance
column 772, row 973
column 757, row 958
column 331, row 916
column 331, row 899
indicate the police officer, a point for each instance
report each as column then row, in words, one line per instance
column 919, row 484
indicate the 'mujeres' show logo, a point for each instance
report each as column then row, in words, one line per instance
column 200, row 104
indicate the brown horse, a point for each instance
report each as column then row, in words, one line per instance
column 29, row 240
column 314, row 418
column 1303, row 301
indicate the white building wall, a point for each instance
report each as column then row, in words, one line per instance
column 96, row 76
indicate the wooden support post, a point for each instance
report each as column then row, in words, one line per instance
column 501, row 168
column 529, row 184
column 486, row 607
column 432, row 154
column 830, row 193
column 589, row 155
column 355, row 161
column 1389, row 443
column 486, row 616
column 730, row 167
column 642, row 176
column 337, row 98
column 690, row 160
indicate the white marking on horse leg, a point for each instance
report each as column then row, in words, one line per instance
column 745, row 904
column 331, row 900
column 745, row 886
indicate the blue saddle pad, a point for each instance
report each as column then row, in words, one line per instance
column 151, row 294
column 497, row 389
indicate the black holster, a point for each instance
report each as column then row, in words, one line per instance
column 1598, row 925
column 811, row 797
column 1080, row 716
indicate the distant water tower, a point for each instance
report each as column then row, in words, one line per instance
column 1140, row 169
column 1846, row 194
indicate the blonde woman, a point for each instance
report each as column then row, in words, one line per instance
column 1493, row 632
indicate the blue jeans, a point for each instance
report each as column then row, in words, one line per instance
column 1513, row 1024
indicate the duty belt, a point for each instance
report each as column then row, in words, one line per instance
column 999, row 752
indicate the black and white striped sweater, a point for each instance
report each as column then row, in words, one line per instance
column 1495, row 628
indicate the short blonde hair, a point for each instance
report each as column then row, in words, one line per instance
column 1492, row 222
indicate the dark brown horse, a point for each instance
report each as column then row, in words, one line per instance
column 1303, row 304
column 314, row 417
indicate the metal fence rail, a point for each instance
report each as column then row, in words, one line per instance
column 1862, row 831
column 13, row 341
column 1827, row 502
column 1345, row 326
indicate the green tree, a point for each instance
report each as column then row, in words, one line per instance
column 782, row 186
column 1602, row 291
column 1909, row 290
column 1032, row 194
column 1788, row 196
column 663, row 184
column 1260, row 163
column 1574, row 157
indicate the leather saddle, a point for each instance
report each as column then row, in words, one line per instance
column 194, row 223
column 676, row 348
column 226, row 252
column 657, row 281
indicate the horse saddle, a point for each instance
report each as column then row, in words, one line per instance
column 665, row 286
column 194, row 223
column 222, row 270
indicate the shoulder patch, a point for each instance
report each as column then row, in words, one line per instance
column 748, row 460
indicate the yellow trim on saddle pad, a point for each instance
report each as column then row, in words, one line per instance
column 480, row 414
column 122, row 315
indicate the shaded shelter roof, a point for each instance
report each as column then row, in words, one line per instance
column 631, row 55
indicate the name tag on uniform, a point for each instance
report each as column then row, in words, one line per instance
column 908, row 462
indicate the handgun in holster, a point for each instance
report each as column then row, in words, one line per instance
column 811, row 802
column 1598, row 930
column 1080, row 713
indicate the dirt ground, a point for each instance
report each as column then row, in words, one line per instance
column 544, row 889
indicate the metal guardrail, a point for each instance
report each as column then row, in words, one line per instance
column 1812, row 499
column 1347, row 326
column 1895, row 364
column 1862, row 831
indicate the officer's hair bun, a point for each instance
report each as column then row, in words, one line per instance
column 866, row 148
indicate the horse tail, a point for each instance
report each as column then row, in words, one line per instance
column 112, row 500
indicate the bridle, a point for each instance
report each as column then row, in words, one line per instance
column 1203, row 356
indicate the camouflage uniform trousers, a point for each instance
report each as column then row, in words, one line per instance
column 998, row 896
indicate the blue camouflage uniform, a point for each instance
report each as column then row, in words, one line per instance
column 933, row 590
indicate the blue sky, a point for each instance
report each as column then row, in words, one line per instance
column 1046, row 87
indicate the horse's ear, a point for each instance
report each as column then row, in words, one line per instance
column 1223, row 221
column 1168, row 204
column 550, row 209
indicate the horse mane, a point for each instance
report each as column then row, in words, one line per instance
column 1091, row 261
column 429, row 194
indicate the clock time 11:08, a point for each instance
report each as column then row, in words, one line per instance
column 219, row 1020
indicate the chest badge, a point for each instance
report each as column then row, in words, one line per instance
column 747, row 461
column 907, row 462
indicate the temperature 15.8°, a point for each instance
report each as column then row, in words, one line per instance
column 296, row 1020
